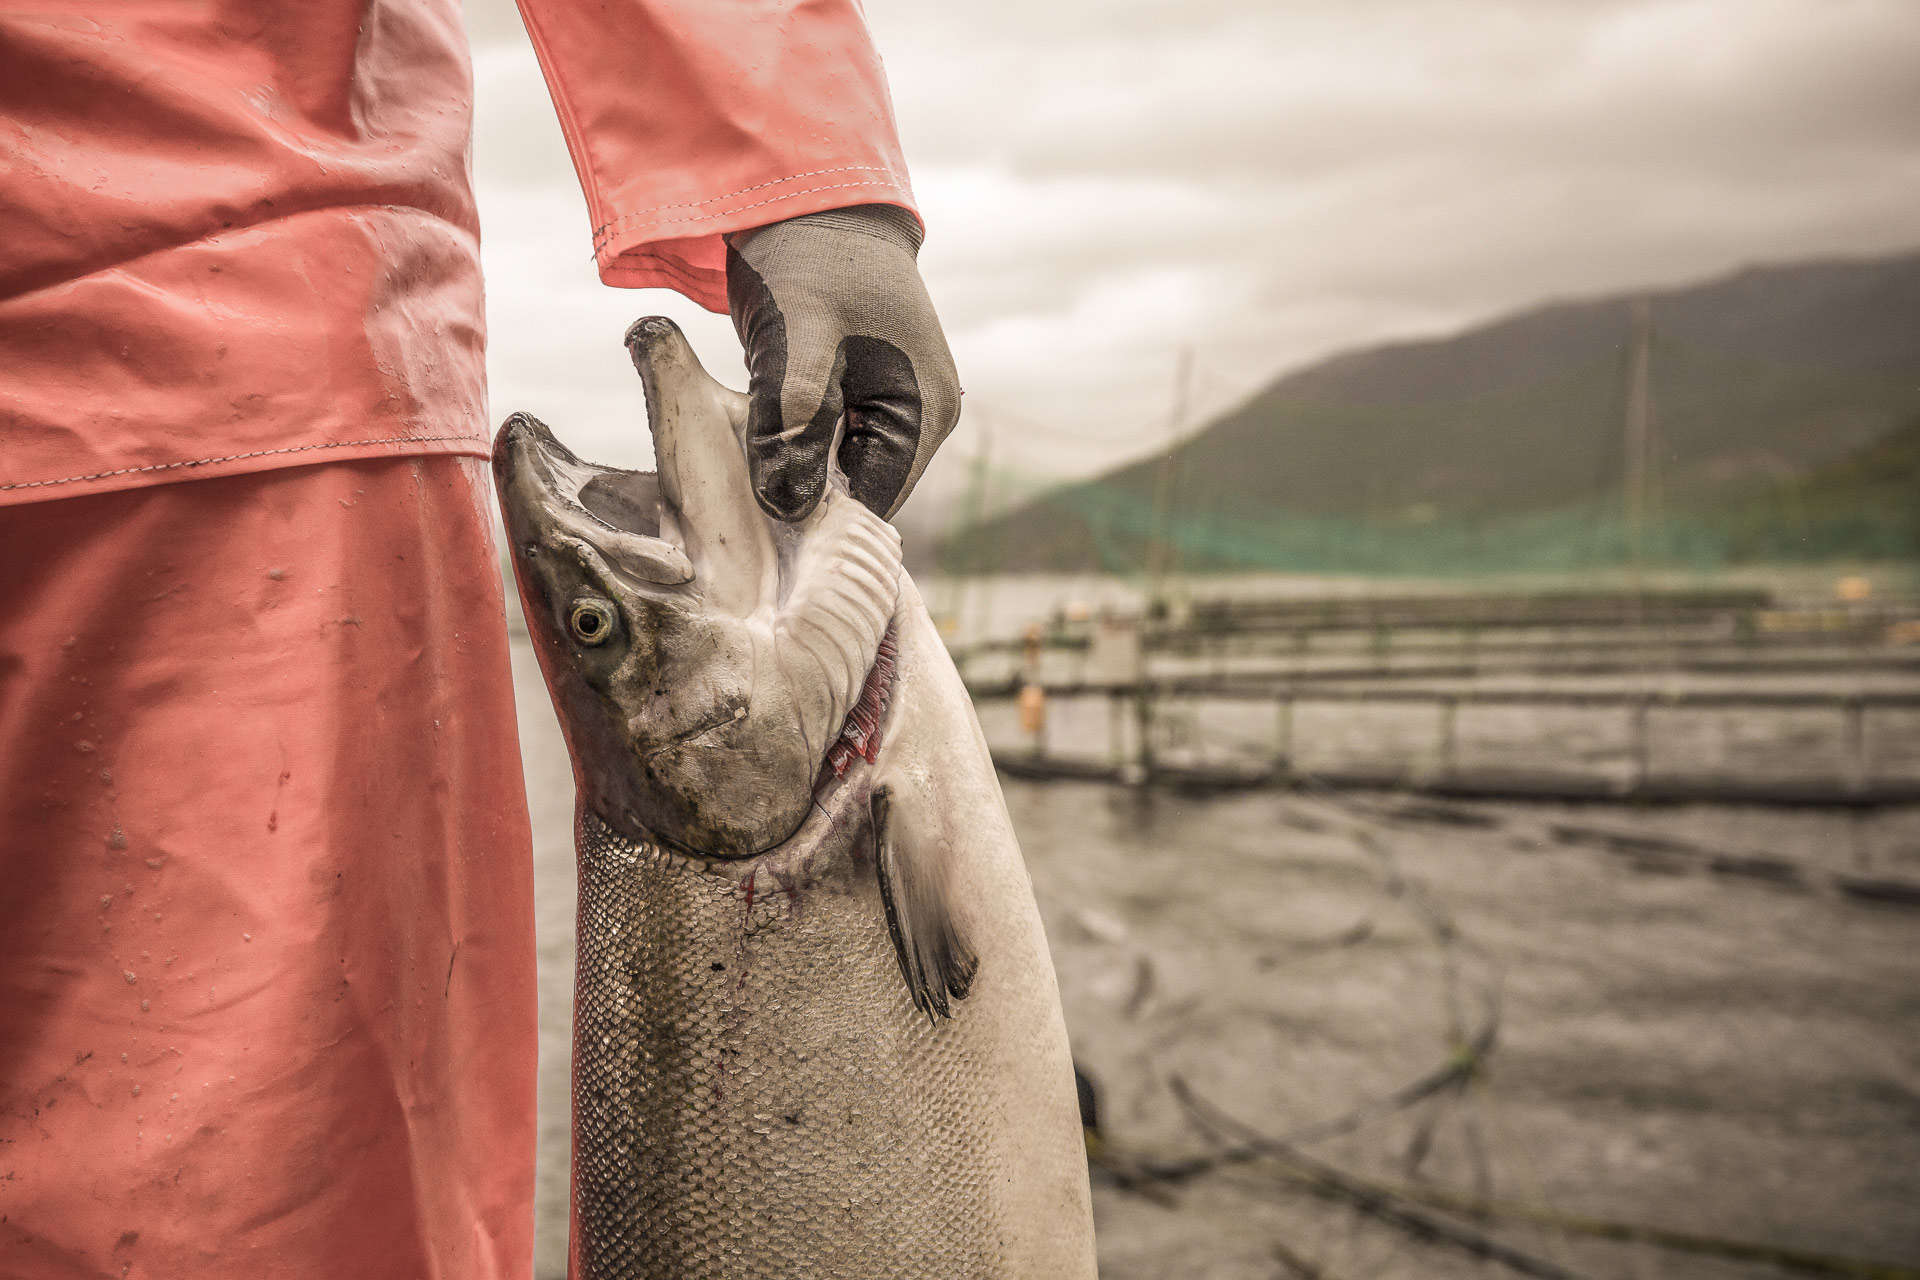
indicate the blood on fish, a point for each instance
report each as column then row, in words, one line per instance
column 860, row 736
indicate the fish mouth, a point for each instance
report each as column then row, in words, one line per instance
column 743, row 643
column 694, row 515
column 699, row 442
column 622, row 511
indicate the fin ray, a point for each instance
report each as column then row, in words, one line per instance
column 936, row 959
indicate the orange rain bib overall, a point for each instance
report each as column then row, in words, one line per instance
column 266, row 938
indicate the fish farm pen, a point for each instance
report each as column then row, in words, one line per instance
column 1614, row 834
column 1438, row 937
column 1644, row 696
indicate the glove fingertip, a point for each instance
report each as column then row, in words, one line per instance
column 788, row 493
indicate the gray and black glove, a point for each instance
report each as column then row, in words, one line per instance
column 835, row 320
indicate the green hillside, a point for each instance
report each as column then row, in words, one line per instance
column 1782, row 400
column 1866, row 506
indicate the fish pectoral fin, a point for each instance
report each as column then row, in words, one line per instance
column 916, row 887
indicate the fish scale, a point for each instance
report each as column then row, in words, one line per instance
column 755, row 1094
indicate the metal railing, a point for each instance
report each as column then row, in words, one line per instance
column 1136, row 711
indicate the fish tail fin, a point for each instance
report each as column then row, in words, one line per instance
column 936, row 959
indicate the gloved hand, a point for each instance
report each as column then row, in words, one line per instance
column 834, row 318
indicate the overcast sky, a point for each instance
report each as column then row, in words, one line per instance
column 1266, row 180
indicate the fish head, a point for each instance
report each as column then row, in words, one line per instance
column 701, row 655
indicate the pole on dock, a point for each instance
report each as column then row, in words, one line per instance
column 980, row 556
column 1160, row 551
column 1638, row 446
column 1161, row 560
column 1854, row 721
column 1283, row 737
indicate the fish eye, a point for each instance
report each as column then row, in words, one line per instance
column 591, row 621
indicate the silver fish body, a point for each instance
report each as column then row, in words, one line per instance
column 840, row 1053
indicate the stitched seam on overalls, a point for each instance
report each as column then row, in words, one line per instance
column 233, row 457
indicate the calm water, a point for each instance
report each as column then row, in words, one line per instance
column 1692, row 1048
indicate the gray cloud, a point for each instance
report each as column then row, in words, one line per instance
column 1267, row 182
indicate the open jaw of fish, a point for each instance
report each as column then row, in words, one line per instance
column 816, row 1027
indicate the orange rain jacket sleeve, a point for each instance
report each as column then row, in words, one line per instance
column 687, row 120
column 241, row 234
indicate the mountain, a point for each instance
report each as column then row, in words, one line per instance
column 1442, row 452
column 1866, row 506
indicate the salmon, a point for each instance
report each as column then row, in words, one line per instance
column 817, row 1030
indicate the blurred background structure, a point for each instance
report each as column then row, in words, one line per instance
column 1434, row 536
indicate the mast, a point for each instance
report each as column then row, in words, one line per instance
column 1638, row 445
column 1162, row 559
column 980, row 555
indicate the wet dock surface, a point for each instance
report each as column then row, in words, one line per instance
column 1703, row 1019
